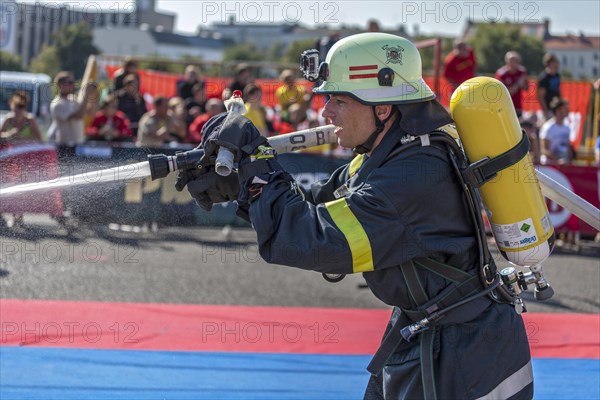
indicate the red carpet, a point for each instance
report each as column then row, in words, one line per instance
column 145, row 326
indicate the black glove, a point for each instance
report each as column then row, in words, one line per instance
column 232, row 131
column 207, row 187
column 251, row 150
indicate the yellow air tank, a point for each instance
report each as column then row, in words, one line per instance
column 488, row 126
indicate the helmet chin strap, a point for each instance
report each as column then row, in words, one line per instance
column 379, row 127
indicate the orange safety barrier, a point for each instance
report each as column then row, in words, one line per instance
column 157, row 83
column 578, row 95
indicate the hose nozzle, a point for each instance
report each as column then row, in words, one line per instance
column 162, row 165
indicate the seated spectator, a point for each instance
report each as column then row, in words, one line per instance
column 131, row 103
column 555, row 135
column 255, row 110
column 298, row 117
column 19, row 125
column 157, row 126
column 226, row 94
column 191, row 79
column 532, row 133
column 213, row 107
column 109, row 123
column 194, row 105
column 290, row 92
column 177, row 109
column 130, row 67
column 243, row 76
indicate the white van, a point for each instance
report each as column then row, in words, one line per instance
column 39, row 89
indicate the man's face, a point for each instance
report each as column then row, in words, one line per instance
column 354, row 121
column 514, row 62
column 66, row 86
column 162, row 109
column 562, row 112
column 244, row 76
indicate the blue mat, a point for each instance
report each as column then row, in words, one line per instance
column 50, row 373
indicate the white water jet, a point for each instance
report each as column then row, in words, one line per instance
column 120, row 173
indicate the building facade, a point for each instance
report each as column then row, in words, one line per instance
column 127, row 41
column 579, row 55
column 26, row 28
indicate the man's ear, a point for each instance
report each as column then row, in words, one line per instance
column 383, row 111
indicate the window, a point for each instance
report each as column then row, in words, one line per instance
column 581, row 61
column 564, row 60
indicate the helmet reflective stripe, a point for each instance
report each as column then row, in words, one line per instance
column 355, row 62
column 385, row 92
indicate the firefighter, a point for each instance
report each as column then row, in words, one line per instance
column 397, row 213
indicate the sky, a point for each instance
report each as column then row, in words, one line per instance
column 433, row 17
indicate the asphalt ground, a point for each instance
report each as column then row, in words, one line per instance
column 217, row 266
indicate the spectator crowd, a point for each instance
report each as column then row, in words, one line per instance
column 550, row 129
column 123, row 114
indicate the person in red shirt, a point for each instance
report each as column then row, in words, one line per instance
column 459, row 64
column 514, row 76
column 109, row 123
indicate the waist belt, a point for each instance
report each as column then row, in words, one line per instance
column 462, row 301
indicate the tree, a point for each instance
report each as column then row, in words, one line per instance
column 276, row 51
column 243, row 52
column 47, row 62
column 295, row 49
column 492, row 41
column 155, row 62
column 74, row 44
column 10, row 62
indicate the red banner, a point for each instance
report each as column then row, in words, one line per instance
column 30, row 163
column 581, row 180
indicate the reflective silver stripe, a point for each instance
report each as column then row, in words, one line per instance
column 383, row 92
column 512, row 385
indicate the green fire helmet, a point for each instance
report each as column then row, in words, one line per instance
column 375, row 68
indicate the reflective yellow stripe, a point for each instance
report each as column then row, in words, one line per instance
column 355, row 164
column 343, row 217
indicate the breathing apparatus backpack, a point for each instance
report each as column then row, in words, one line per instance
column 505, row 147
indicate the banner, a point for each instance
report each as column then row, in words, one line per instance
column 580, row 180
column 30, row 163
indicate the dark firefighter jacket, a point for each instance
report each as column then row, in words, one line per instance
column 401, row 206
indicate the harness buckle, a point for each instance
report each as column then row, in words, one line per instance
column 474, row 174
column 342, row 191
column 487, row 275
